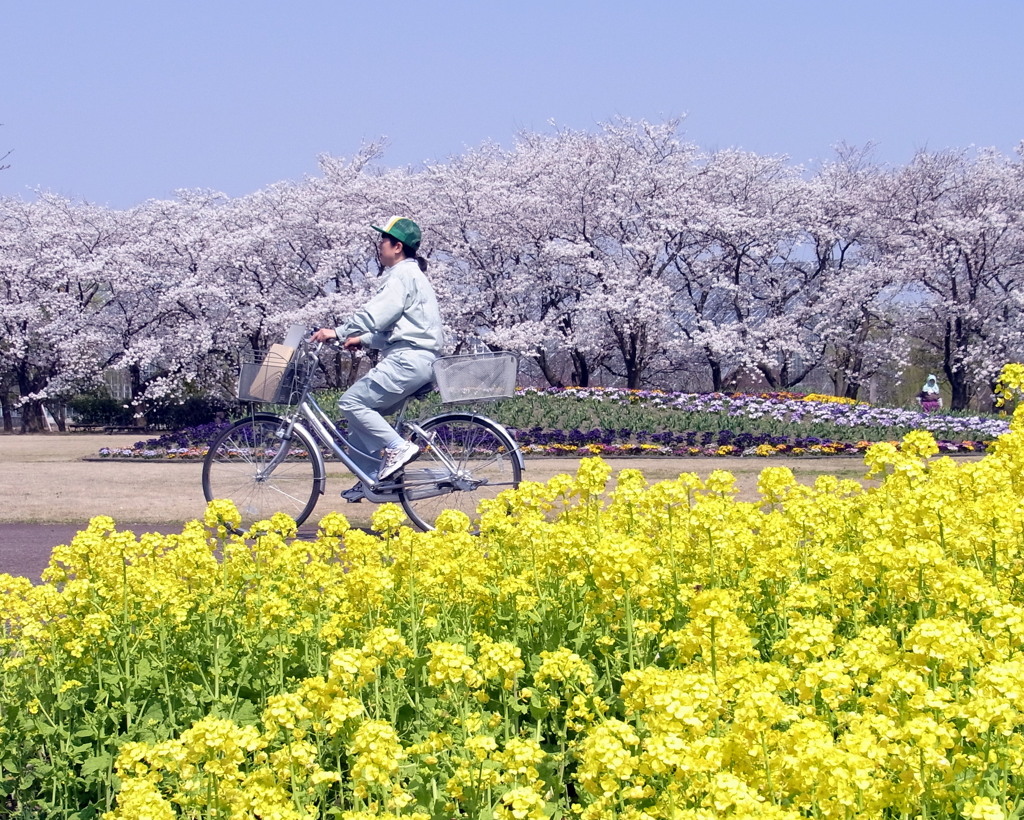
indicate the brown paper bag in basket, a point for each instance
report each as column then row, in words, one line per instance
column 268, row 378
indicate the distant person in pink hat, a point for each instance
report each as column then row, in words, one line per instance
column 930, row 399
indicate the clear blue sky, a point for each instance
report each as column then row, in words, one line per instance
column 117, row 102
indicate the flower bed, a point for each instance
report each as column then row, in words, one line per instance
column 793, row 408
column 779, row 425
column 188, row 444
column 596, row 442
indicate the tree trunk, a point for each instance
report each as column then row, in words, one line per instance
column 29, row 383
column 717, row 380
column 5, row 410
column 632, row 347
column 61, row 417
column 843, row 383
column 137, row 386
column 580, row 369
column 769, row 376
column 959, row 382
column 547, row 370
column 960, row 389
column 32, row 419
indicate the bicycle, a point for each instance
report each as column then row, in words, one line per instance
column 268, row 463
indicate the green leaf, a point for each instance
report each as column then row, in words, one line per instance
column 245, row 714
column 538, row 712
column 154, row 713
column 44, row 729
column 96, row 763
column 407, row 713
column 143, row 668
column 78, row 750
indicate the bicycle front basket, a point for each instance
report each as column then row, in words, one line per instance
column 476, row 377
column 271, row 380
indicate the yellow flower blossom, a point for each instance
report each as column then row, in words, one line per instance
column 984, row 808
column 377, row 755
column 450, row 663
column 630, row 650
column 521, row 803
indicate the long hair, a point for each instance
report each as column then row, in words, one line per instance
column 411, row 254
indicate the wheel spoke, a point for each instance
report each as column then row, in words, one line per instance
column 237, row 464
column 479, row 455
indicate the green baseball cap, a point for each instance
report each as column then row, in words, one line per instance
column 403, row 229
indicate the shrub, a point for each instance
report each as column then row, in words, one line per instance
column 99, row 408
column 190, row 412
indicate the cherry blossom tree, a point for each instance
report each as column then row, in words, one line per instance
column 636, row 225
column 51, row 259
column 622, row 254
column 168, row 321
column 563, row 241
column 957, row 237
column 780, row 275
column 227, row 277
column 856, row 309
column 744, row 287
column 507, row 282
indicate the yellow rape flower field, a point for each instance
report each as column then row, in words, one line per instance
column 603, row 648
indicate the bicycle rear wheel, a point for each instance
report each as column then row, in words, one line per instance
column 250, row 465
column 468, row 459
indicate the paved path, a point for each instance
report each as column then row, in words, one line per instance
column 25, row 548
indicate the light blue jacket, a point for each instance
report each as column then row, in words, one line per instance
column 403, row 313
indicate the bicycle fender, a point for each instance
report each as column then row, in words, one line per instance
column 517, row 454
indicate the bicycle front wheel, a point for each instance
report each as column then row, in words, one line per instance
column 251, row 465
column 467, row 459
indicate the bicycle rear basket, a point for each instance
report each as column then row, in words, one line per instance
column 270, row 380
column 476, row 377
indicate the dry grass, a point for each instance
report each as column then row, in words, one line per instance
column 47, row 479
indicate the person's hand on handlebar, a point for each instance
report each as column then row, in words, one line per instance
column 326, row 334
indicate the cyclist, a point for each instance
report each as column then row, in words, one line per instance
column 403, row 321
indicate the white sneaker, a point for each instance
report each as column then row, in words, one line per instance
column 394, row 459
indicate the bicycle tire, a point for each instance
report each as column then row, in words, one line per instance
column 483, row 454
column 232, row 470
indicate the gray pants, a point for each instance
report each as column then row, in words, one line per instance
column 397, row 376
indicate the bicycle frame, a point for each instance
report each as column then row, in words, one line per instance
column 310, row 418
